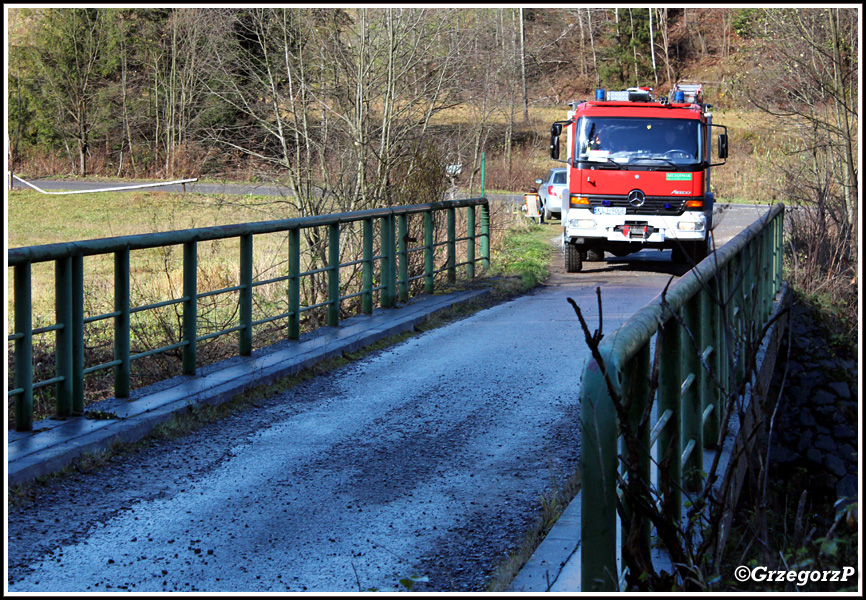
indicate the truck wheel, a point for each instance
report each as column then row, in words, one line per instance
column 700, row 250
column 573, row 259
column 593, row 255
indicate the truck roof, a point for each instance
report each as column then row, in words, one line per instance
column 640, row 109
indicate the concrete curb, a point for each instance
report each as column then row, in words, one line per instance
column 55, row 444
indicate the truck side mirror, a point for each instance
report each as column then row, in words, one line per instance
column 554, row 147
column 556, row 130
column 723, row 145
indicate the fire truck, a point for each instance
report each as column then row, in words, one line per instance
column 639, row 174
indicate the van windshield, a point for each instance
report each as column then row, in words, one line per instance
column 643, row 141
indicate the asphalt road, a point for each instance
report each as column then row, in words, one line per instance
column 428, row 458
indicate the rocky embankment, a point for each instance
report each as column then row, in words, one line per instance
column 814, row 443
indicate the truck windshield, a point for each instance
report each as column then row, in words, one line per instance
column 638, row 141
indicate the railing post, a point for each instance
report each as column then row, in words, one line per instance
column 780, row 242
column 63, row 335
column 451, row 246
column 709, row 338
column 121, row 323
column 294, row 284
column 403, row 258
column 190, row 307
column 334, row 274
column 470, row 244
column 637, row 395
column 692, row 422
column 669, row 398
column 485, row 236
column 598, row 464
column 428, row 252
column 23, row 348
column 743, row 302
column 386, row 237
column 367, row 272
column 77, row 286
column 245, row 299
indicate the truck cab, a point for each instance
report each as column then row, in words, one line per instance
column 638, row 175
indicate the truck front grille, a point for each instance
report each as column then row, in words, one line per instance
column 654, row 205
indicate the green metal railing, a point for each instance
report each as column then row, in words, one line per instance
column 393, row 286
column 708, row 318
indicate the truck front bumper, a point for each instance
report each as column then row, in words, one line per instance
column 650, row 229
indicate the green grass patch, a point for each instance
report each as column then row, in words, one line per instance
column 35, row 219
column 525, row 255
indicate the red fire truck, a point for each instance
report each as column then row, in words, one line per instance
column 639, row 174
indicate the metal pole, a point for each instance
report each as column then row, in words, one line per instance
column 23, row 349
column 121, row 323
column 386, row 237
column 190, row 307
column 63, row 335
column 367, row 274
column 78, row 334
column 452, row 249
column 692, row 420
column 598, row 464
column 294, row 284
column 403, row 258
column 428, row 252
column 710, row 318
column 245, row 300
column 669, row 394
column 334, row 274
column 637, row 391
column 485, row 236
column 470, row 244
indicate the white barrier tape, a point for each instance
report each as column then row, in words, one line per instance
column 114, row 189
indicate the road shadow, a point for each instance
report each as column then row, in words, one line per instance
column 645, row 261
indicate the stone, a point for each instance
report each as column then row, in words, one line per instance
column 841, row 389
column 847, row 487
column 844, row 432
column 807, row 420
column 814, row 455
column 835, row 464
column 848, row 452
column 810, row 379
column 825, row 443
column 822, row 398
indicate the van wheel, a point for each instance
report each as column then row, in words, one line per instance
column 573, row 259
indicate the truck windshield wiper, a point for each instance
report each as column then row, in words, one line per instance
column 610, row 164
column 668, row 161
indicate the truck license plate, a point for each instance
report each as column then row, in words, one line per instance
column 608, row 210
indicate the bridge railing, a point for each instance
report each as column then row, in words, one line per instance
column 705, row 322
column 391, row 280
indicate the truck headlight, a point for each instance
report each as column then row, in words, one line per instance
column 690, row 226
column 582, row 223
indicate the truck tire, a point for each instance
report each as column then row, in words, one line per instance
column 690, row 253
column 573, row 259
column 594, row 255
column 700, row 250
